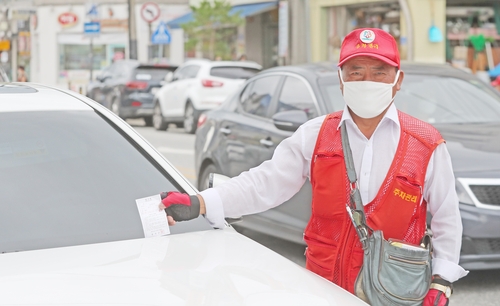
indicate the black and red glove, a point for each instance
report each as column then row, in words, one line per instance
column 439, row 293
column 435, row 298
column 180, row 206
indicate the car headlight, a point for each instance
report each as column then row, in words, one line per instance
column 463, row 195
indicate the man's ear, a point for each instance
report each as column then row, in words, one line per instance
column 400, row 80
column 340, row 81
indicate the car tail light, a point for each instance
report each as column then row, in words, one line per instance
column 136, row 85
column 202, row 119
column 211, row 83
column 136, row 103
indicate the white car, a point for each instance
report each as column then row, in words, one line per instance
column 196, row 86
column 71, row 233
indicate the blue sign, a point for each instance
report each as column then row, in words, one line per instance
column 161, row 36
column 92, row 12
column 92, row 28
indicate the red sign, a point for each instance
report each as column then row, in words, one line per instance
column 67, row 19
column 150, row 11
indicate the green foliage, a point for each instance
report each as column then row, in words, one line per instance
column 213, row 29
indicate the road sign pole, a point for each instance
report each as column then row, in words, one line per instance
column 132, row 30
column 91, row 68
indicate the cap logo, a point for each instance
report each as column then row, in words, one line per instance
column 367, row 36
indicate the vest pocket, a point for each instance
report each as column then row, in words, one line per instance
column 401, row 203
column 329, row 185
column 315, row 265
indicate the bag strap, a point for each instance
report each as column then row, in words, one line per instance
column 356, row 212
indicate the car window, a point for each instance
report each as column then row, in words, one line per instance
column 330, row 91
column 437, row 99
column 70, row 178
column 231, row 72
column 295, row 95
column 192, row 71
column 186, row 72
column 259, row 97
column 149, row 74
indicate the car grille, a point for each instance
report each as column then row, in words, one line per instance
column 487, row 194
column 487, row 246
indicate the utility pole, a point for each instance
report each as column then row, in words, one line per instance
column 132, row 37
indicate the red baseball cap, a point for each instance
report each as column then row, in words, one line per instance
column 496, row 82
column 372, row 42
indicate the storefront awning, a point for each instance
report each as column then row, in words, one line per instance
column 244, row 10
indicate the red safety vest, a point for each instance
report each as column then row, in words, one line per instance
column 333, row 247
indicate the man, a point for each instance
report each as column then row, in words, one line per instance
column 21, row 74
column 393, row 154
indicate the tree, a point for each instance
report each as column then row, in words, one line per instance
column 213, row 29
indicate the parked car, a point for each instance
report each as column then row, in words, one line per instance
column 127, row 87
column 71, row 232
column 196, row 86
column 246, row 129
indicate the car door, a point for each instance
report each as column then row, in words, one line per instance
column 295, row 94
column 246, row 133
column 177, row 93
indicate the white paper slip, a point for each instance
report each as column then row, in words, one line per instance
column 154, row 220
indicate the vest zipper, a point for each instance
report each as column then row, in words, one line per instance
column 342, row 269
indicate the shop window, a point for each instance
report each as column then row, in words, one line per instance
column 77, row 57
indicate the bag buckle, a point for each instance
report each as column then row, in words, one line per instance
column 357, row 219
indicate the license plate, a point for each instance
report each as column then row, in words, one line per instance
column 154, row 90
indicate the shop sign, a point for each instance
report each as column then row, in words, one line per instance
column 4, row 45
column 68, row 19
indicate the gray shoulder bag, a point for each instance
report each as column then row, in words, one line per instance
column 393, row 272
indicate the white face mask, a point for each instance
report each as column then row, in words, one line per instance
column 368, row 99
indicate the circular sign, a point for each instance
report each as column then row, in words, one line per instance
column 67, row 19
column 150, row 11
column 367, row 36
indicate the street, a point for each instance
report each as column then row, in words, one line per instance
column 478, row 288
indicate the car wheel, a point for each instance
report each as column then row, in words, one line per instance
column 148, row 121
column 159, row 122
column 190, row 118
column 115, row 107
column 203, row 182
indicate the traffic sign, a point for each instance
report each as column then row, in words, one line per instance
column 150, row 12
column 92, row 11
column 161, row 36
column 92, row 28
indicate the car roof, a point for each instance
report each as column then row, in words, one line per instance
column 209, row 63
column 18, row 97
column 326, row 69
column 309, row 71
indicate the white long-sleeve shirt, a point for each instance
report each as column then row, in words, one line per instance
column 278, row 179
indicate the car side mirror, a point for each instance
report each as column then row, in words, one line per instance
column 102, row 78
column 215, row 179
column 169, row 77
column 289, row 120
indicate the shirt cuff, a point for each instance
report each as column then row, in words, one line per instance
column 447, row 270
column 214, row 210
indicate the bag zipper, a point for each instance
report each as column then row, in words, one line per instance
column 413, row 262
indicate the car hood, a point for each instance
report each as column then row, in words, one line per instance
column 200, row 268
column 474, row 148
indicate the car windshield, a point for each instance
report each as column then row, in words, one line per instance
column 436, row 99
column 70, row 178
column 150, row 74
column 232, row 72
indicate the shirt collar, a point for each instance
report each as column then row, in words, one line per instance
column 391, row 114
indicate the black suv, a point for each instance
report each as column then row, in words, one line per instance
column 127, row 87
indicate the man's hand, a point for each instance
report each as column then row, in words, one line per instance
column 435, row 298
column 179, row 206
